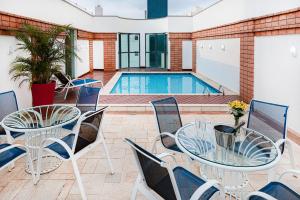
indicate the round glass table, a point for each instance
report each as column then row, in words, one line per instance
column 37, row 124
column 249, row 151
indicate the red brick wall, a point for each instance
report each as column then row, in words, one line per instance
column 176, row 49
column 109, row 40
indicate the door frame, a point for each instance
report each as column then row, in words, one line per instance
column 166, row 47
column 128, row 52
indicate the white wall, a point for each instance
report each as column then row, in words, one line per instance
column 277, row 73
column 82, row 64
column 44, row 9
column 187, row 54
column 229, row 11
column 98, row 54
column 7, row 55
column 222, row 66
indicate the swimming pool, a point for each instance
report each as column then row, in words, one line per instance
column 161, row 83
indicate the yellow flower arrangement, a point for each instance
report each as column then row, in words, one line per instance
column 238, row 109
column 238, row 105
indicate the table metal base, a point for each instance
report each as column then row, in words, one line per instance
column 49, row 164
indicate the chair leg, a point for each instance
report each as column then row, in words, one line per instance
column 271, row 174
column 135, row 188
column 154, row 146
column 78, row 178
column 107, row 154
column 291, row 153
column 67, row 91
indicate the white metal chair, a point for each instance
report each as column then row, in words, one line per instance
column 87, row 100
column 270, row 120
column 276, row 190
column 9, row 153
column 168, row 122
column 87, row 136
column 156, row 179
column 66, row 83
column 8, row 105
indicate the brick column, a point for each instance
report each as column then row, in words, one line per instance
column 109, row 55
column 91, row 56
column 247, row 67
column 176, row 49
column 194, row 55
column 176, row 54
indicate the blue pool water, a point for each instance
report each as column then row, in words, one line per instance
column 161, row 83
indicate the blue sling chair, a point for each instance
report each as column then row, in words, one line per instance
column 271, row 120
column 156, row 179
column 87, row 100
column 8, row 105
column 276, row 190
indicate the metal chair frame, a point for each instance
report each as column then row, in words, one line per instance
column 11, row 162
column 141, row 185
column 71, row 151
column 267, row 196
column 158, row 138
column 281, row 142
column 9, row 137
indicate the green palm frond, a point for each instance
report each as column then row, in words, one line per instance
column 47, row 50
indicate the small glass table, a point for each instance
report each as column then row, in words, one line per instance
column 39, row 123
column 250, row 152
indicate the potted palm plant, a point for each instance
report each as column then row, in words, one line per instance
column 45, row 53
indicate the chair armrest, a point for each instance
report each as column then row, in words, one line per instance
column 13, row 146
column 261, row 194
column 168, row 134
column 280, row 142
column 60, row 142
column 165, row 154
column 203, row 188
column 290, row 171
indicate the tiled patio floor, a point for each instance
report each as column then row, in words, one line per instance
column 98, row 183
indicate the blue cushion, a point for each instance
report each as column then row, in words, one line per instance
column 83, row 81
column 278, row 191
column 188, row 183
column 9, row 155
column 70, row 126
column 60, row 150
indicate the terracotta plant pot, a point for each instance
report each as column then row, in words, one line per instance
column 43, row 94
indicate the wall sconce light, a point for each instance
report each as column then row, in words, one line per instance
column 210, row 46
column 223, row 47
column 293, row 51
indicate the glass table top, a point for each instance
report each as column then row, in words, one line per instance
column 41, row 117
column 248, row 148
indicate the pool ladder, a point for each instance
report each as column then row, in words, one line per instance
column 221, row 89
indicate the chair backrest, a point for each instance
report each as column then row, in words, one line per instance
column 89, row 129
column 87, row 99
column 153, row 173
column 8, row 104
column 268, row 119
column 62, row 78
column 168, row 118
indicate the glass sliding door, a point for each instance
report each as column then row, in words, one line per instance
column 129, row 50
column 156, row 50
